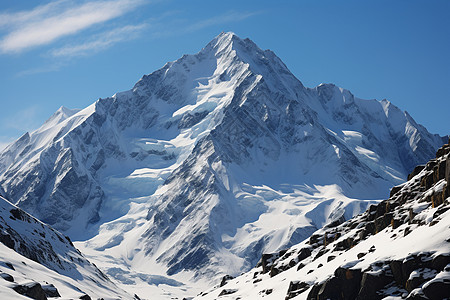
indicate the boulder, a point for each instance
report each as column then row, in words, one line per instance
column 225, row 280
column 267, row 261
column 296, row 288
column 331, row 290
column 50, row 290
column 7, row 277
column 33, row 290
column 371, row 283
column 351, row 282
column 227, row 292
column 437, row 289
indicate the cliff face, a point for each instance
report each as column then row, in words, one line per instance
column 399, row 248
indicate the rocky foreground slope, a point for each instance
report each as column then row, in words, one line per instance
column 397, row 249
column 38, row 262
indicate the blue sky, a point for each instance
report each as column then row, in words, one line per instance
column 70, row 53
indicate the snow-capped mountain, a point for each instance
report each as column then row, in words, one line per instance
column 398, row 249
column 210, row 161
column 37, row 261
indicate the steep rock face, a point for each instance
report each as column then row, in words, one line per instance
column 399, row 248
column 219, row 145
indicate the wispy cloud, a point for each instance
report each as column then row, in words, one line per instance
column 47, row 23
column 100, row 42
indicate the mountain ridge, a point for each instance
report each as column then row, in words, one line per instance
column 203, row 155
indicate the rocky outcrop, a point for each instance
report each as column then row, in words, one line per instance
column 423, row 275
column 33, row 290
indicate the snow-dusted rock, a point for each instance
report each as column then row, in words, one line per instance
column 38, row 261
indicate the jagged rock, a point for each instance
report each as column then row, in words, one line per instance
column 440, row 261
column 417, row 278
column 437, row 289
column 371, row 283
column 296, row 288
column 225, row 280
column 267, row 261
column 416, row 171
column 85, row 297
column 350, row 282
column 227, row 292
column 266, row 291
column 33, row 290
column 397, row 188
column 303, row 254
column 447, row 169
column 50, row 290
column 396, row 268
column 330, row 290
column 312, row 295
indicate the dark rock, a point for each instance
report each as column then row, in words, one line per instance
column 416, row 171
column 7, row 277
column 50, row 290
column 225, row 280
column 33, row 290
column 9, row 265
column 447, row 169
column 267, row 261
column 227, row 292
column 417, row 280
column 7, row 240
column 330, row 258
column 85, row 297
column 371, row 283
column 331, row 290
column 437, row 290
column 312, row 295
column 396, row 268
column 344, row 244
column 439, row 171
column 266, row 291
column 440, row 261
column 395, row 189
column 321, row 252
column 361, row 255
column 296, row 288
column 304, row 253
column 351, row 282
column 427, row 181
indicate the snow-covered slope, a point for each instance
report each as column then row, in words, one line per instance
column 210, row 161
column 397, row 249
column 38, row 261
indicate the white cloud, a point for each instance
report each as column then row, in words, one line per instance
column 45, row 24
column 100, row 42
